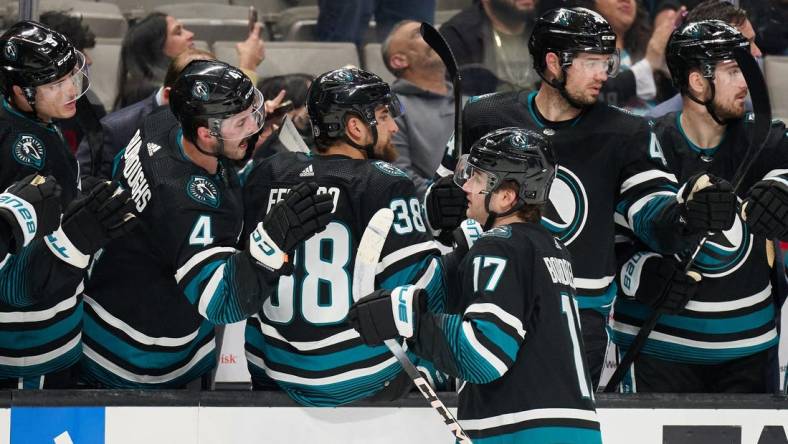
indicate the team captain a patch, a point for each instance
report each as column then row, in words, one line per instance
column 29, row 151
column 203, row 190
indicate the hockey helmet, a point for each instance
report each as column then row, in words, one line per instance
column 568, row 31
column 335, row 94
column 35, row 55
column 517, row 154
column 220, row 95
column 701, row 45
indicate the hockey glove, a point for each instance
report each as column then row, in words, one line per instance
column 385, row 314
column 446, row 205
column 664, row 286
column 31, row 207
column 466, row 235
column 766, row 210
column 707, row 204
column 91, row 222
column 300, row 215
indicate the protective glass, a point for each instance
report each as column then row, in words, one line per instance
column 728, row 72
column 481, row 181
column 69, row 88
column 245, row 123
column 599, row 63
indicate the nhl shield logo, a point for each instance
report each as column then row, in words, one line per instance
column 29, row 151
column 200, row 91
column 10, row 51
column 203, row 190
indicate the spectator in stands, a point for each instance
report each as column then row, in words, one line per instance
column 713, row 10
column 89, row 109
column 642, row 53
column 347, row 20
column 119, row 127
column 490, row 41
column 151, row 44
column 289, row 99
column 427, row 98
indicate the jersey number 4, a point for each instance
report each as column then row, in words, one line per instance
column 201, row 232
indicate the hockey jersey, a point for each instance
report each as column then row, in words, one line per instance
column 732, row 315
column 301, row 338
column 610, row 172
column 512, row 333
column 153, row 296
column 40, row 303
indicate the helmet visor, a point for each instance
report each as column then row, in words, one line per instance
column 594, row 63
column 474, row 179
column 69, row 88
column 245, row 123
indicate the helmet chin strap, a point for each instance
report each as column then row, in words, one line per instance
column 560, row 85
column 492, row 215
column 709, row 104
column 368, row 149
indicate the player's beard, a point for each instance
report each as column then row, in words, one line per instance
column 582, row 99
column 386, row 152
column 730, row 111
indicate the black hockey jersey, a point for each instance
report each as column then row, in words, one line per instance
column 153, row 296
column 732, row 315
column 609, row 172
column 301, row 338
column 40, row 303
column 512, row 332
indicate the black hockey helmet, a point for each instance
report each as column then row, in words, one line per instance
column 34, row 55
column 701, row 45
column 568, row 31
column 335, row 94
column 515, row 154
column 214, row 94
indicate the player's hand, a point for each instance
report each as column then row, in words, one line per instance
column 91, row 222
column 446, row 205
column 373, row 316
column 31, row 207
column 766, row 210
column 466, row 235
column 707, row 204
column 251, row 52
column 291, row 221
column 664, row 286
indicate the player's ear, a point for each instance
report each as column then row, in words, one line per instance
column 399, row 61
column 552, row 65
column 19, row 98
column 696, row 84
column 204, row 135
column 355, row 129
column 165, row 94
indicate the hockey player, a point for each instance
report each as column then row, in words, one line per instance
column 512, row 331
column 301, row 338
column 154, row 296
column 29, row 210
column 718, row 334
column 611, row 164
column 43, row 75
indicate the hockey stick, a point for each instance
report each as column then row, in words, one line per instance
column 438, row 44
column 364, row 271
column 760, row 132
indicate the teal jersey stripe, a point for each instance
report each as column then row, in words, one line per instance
column 224, row 307
column 61, row 362
column 643, row 220
column 322, row 362
column 722, row 325
column 545, row 435
column 501, row 339
column 95, row 374
column 136, row 356
column 25, row 339
column 673, row 352
column 471, row 365
column 600, row 302
column 192, row 289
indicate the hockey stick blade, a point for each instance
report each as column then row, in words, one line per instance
column 364, row 270
column 760, row 133
column 438, row 44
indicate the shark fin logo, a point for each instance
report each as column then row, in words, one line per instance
column 203, row 190
column 29, row 151
column 567, row 210
column 200, row 91
column 723, row 253
column 10, row 51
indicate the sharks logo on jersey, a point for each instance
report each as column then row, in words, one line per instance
column 567, row 211
column 203, row 190
column 29, row 151
column 723, row 253
column 388, row 168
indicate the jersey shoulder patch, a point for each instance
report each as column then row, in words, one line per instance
column 388, row 168
column 503, row 232
column 203, row 190
column 29, row 151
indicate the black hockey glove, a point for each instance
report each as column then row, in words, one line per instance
column 373, row 315
column 31, row 207
column 707, row 204
column 446, row 205
column 766, row 210
column 300, row 215
column 664, row 286
column 91, row 222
